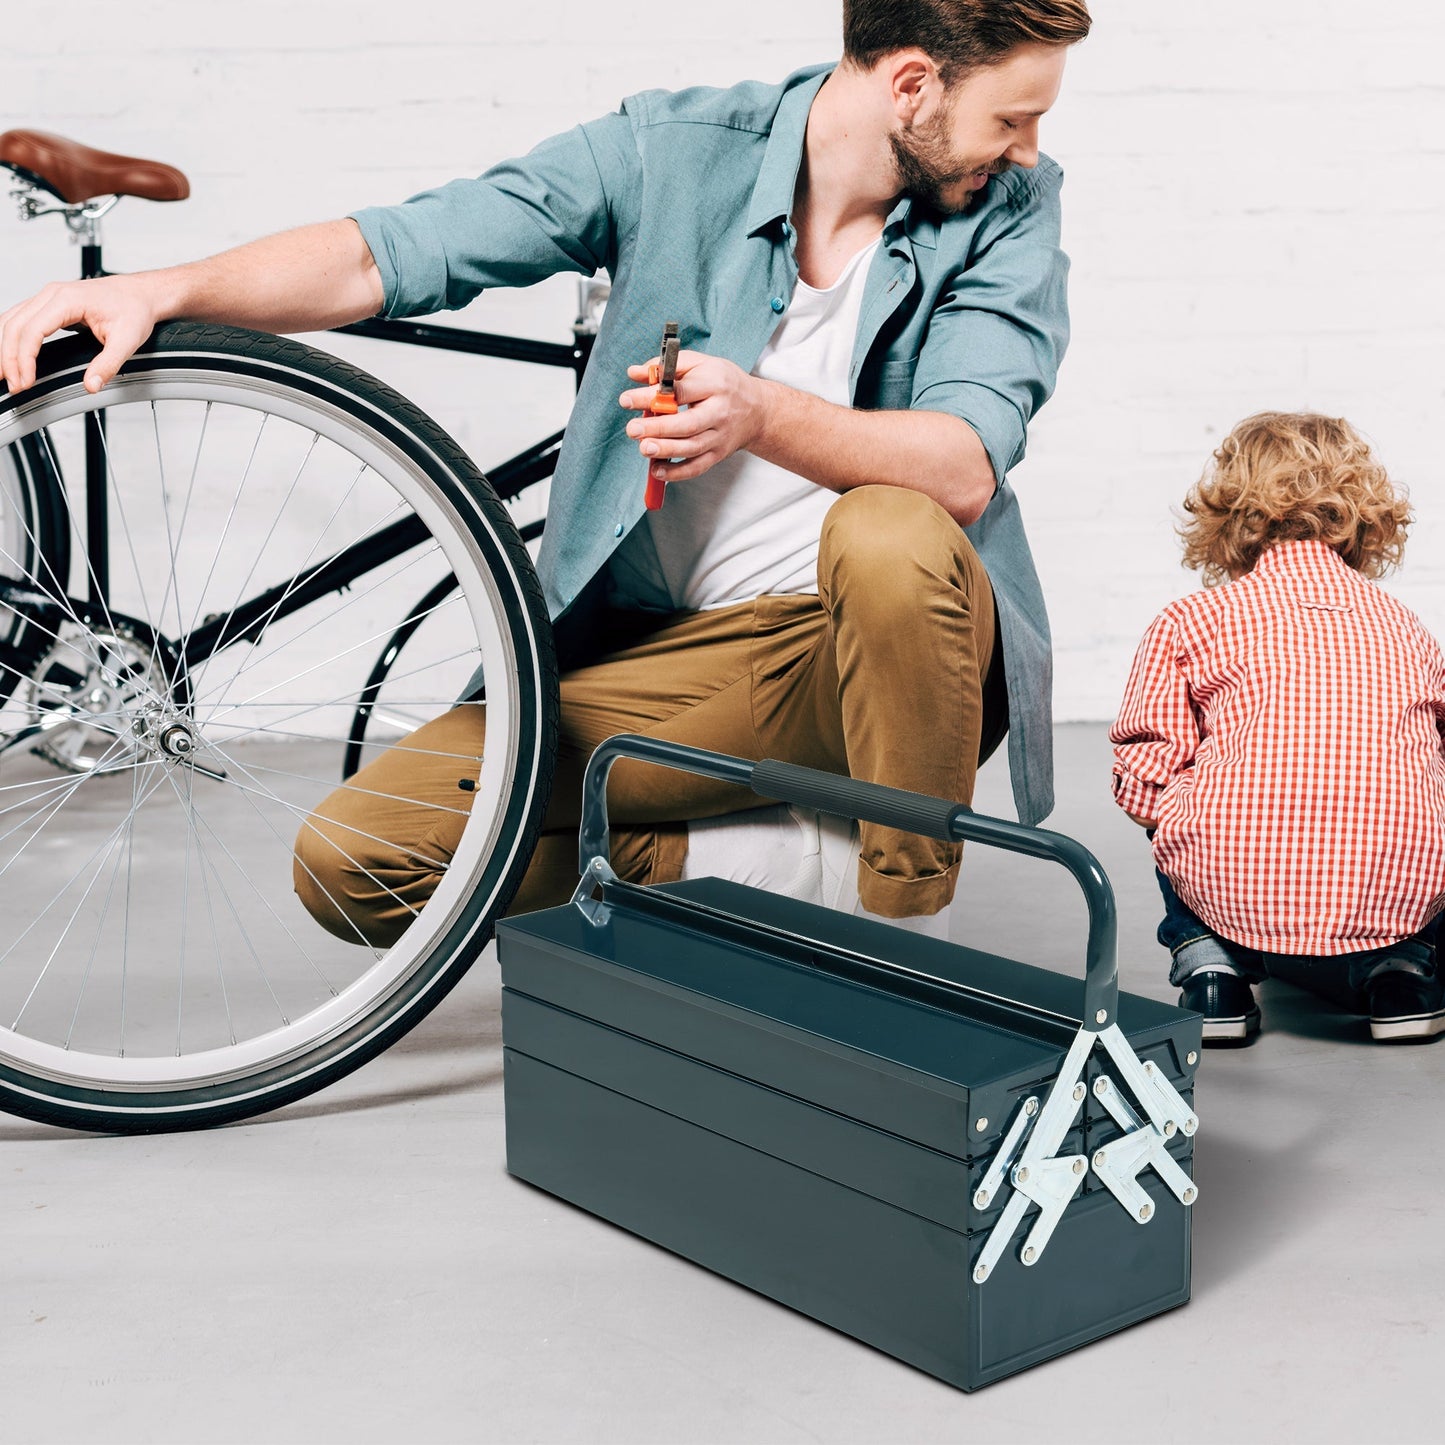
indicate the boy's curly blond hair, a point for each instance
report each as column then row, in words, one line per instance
column 1293, row 476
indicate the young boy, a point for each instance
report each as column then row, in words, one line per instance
column 1280, row 738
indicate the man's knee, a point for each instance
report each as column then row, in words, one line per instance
column 353, row 885
column 889, row 543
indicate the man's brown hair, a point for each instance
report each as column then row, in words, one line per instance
column 958, row 35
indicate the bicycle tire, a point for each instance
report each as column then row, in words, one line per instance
column 166, row 1071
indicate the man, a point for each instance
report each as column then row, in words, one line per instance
column 865, row 264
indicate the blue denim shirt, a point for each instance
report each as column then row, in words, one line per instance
column 684, row 199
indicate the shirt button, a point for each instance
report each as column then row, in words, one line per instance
column 777, row 303
column 787, row 230
column 618, row 531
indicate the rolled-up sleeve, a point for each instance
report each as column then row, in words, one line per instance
column 1156, row 734
column 561, row 207
column 999, row 331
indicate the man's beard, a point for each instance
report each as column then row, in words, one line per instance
column 926, row 169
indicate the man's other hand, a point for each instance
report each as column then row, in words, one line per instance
column 721, row 413
column 119, row 311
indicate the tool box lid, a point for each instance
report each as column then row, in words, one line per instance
column 914, row 1035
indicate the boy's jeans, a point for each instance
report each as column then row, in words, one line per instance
column 1340, row 978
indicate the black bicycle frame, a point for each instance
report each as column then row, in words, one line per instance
column 247, row 622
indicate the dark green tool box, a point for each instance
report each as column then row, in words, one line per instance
column 920, row 1144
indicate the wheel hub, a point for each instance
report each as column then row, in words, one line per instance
column 104, row 696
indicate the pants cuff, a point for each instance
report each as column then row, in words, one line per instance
column 1201, row 955
column 890, row 897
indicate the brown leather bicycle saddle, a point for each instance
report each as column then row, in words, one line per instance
column 77, row 173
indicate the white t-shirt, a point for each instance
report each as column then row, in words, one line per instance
column 748, row 528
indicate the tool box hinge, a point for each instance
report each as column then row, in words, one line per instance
column 1039, row 1176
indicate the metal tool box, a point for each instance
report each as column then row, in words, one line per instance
column 929, row 1147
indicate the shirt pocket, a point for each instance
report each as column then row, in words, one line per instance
column 895, row 384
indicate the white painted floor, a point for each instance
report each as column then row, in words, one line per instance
column 359, row 1267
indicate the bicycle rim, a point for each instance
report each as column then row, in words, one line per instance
column 32, row 530
column 159, row 971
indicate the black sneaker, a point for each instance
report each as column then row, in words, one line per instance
column 1405, row 1006
column 1231, row 1015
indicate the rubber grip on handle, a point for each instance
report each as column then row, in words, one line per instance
column 850, row 798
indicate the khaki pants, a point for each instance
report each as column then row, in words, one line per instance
column 891, row 673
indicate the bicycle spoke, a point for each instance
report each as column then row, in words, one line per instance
column 54, row 809
column 402, row 747
column 172, row 534
column 216, row 941
column 333, row 657
column 255, row 767
column 300, row 572
column 262, row 550
column 188, row 807
column 125, row 916
column 82, row 545
column 226, row 528
column 114, row 491
column 265, row 902
column 94, row 947
column 304, row 815
column 106, row 845
column 69, row 781
column 58, row 597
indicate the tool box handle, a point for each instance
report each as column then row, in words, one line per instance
column 891, row 807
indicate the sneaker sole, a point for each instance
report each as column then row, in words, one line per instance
column 1238, row 1030
column 1416, row 1026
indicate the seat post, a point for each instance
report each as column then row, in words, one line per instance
column 90, row 258
column 85, row 228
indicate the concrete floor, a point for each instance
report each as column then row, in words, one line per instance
column 359, row 1266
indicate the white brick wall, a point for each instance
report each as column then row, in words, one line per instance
column 1253, row 208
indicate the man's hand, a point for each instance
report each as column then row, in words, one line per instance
column 721, row 414
column 120, row 311
column 310, row 279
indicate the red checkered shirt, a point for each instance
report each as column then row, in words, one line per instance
column 1285, row 732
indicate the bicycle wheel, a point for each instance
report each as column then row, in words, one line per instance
column 273, row 514
column 33, row 534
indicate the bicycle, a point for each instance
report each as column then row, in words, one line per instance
column 160, row 681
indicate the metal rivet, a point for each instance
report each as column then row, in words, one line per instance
column 979, row 1275
column 1101, row 1086
column 1100, row 1159
column 1170, row 1129
column 980, row 1125
column 1021, row 1175
column 1190, row 1125
column 1079, row 1092
column 1031, row 1107
column 1102, row 1017
column 1078, row 1166
column 981, row 1199
column 1149, row 1068
column 1190, row 1195
column 1191, row 1058
column 1030, row 1255
column 1144, row 1212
